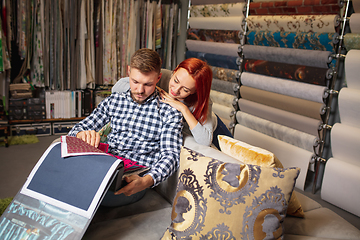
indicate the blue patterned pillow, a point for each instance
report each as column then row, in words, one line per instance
column 217, row 200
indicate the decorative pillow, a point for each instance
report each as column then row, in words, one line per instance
column 217, row 200
column 249, row 154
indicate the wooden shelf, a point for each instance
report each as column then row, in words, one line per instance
column 12, row 122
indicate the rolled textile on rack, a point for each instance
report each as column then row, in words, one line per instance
column 283, row 133
column 217, row 23
column 202, row 2
column 218, row 10
column 227, row 49
column 322, row 41
column 295, row 105
column 225, row 74
column 352, row 71
column 294, row 23
column 312, row 58
column 283, row 86
column 349, row 106
column 301, row 73
column 356, row 5
column 355, row 23
column 214, row 59
column 289, row 119
column 223, row 86
column 222, row 111
column 340, row 185
column 345, row 141
column 289, row 155
column 225, row 36
column 221, row 98
column 352, row 41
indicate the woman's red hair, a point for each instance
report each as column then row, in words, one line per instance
column 202, row 74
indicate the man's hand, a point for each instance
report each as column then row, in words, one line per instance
column 91, row 137
column 136, row 184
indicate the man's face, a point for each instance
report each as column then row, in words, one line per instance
column 142, row 85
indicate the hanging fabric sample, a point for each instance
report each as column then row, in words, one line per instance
column 225, row 36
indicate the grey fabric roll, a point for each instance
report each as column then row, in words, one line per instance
column 224, row 99
column 349, row 106
column 222, row 86
column 228, row 49
column 312, row 58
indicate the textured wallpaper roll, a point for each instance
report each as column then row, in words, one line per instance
column 312, row 58
column 349, row 106
column 293, row 23
column 289, row 119
column 352, row 41
column 222, row 111
column 289, row 155
column 225, row 74
column 352, row 70
column 299, row 40
column 301, row 73
column 345, row 143
column 225, row 36
column 356, row 5
column 227, row 49
column 214, row 59
column 283, row 86
column 218, row 10
column 355, row 23
column 218, row 23
column 283, row 133
column 223, row 86
column 202, row 2
column 221, row 98
column 295, row 105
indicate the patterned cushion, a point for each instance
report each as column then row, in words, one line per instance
column 249, row 154
column 217, row 200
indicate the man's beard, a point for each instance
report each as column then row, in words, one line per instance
column 135, row 99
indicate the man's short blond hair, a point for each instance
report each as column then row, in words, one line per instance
column 146, row 60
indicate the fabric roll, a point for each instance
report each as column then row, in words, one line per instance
column 352, row 41
column 295, row 105
column 222, row 111
column 221, row 98
column 225, row 36
column 289, row 119
column 283, row 86
column 340, row 185
column 218, row 10
column 224, row 87
column 345, row 141
column 356, row 5
column 301, row 73
column 218, row 23
column 293, row 23
column 355, row 23
column 283, row 133
column 227, row 49
column 299, row 40
column 352, row 71
column 312, row 58
column 349, row 106
column 203, row 2
column 224, row 74
column 214, row 59
column 289, row 155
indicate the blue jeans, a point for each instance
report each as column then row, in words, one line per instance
column 221, row 129
column 112, row 200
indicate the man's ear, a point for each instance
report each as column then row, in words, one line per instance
column 159, row 77
column 128, row 70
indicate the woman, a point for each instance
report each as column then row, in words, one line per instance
column 187, row 89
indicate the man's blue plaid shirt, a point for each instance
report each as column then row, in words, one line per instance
column 148, row 133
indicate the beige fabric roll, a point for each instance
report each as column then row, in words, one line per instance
column 222, row 111
column 221, row 98
column 218, row 23
column 227, row 49
column 355, row 23
column 356, row 5
column 218, row 10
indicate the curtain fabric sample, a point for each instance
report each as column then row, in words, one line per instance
column 295, row 105
column 223, row 86
column 312, row 58
column 352, row 41
column 355, row 23
column 301, row 73
column 225, row 74
column 283, row 86
column 293, row 23
column 352, row 63
column 349, row 106
column 227, row 49
column 299, row 40
column 214, row 59
column 218, row 10
column 218, row 23
column 225, row 36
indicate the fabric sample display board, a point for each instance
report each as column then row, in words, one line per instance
column 301, row 73
column 289, row 119
column 224, row 87
column 283, row 133
column 217, row 23
column 214, row 59
column 225, row 74
column 294, row 23
column 299, row 40
column 352, row 63
column 349, row 106
column 225, row 36
column 289, row 155
column 218, row 10
column 352, row 41
column 295, row 105
column 355, row 23
column 312, row 58
column 227, row 49
column 283, row 86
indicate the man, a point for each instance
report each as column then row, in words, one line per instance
column 144, row 129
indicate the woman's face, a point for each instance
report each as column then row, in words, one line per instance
column 181, row 85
